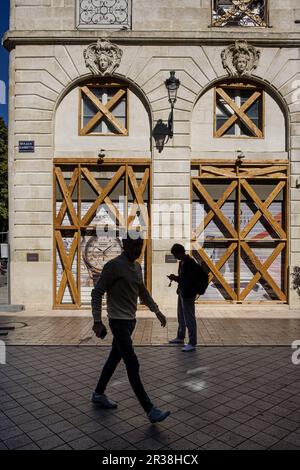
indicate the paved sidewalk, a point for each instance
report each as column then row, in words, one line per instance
column 220, row 398
column 69, row 330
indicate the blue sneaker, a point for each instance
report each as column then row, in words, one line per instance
column 188, row 348
column 176, row 341
column 155, row 415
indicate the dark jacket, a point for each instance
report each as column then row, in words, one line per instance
column 187, row 277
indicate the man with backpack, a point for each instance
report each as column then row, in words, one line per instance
column 192, row 280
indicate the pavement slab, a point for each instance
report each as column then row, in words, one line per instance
column 76, row 330
column 212, row 393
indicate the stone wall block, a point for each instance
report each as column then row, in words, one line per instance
column 33, row 205
column 66, row 61
column 39, row 76
column 33, row 192
column 36, row 89
column 49, row 64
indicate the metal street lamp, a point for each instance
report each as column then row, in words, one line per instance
column 172, row 85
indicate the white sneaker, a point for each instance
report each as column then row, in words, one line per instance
column 188, row 347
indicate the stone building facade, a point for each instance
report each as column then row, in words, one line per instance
column 87, row 75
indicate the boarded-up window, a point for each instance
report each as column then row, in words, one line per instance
column 239, row 112
column 103, row 110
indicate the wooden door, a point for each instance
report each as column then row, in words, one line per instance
column 92, row 202
column 240, row 229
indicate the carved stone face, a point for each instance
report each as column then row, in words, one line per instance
column 241, row 63
column 103, row 62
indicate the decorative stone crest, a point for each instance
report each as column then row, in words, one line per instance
column 102, row 57
column 240, row 58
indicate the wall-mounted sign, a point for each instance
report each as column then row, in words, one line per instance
column 170, row 259
column 32, row 257
column 3, row 250
column 26, row 146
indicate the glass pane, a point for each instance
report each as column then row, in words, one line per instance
column 96, row 251
column 67, row 237
column 98, row 128
column 215, row 290
column 104, row 215
column 120, row 109
column 225, row 112
column 104, row 126
column 111, row 128
column 215, row 228
column 244, row 130
column 262, row 289
column 89, row 109
column 221, row 122
column 253, row 111
column 262, row 230
column 67, row 175
column 98, row 92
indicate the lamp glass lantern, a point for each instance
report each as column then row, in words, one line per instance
column 172, row 85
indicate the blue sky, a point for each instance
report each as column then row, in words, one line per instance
column 4, row 14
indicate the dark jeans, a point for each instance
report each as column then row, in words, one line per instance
column 122, row 348
column 186, row 319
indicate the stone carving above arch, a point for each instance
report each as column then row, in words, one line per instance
column 102, row 57
column 240, row 59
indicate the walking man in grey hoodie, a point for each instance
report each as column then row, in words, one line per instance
column 122, row 280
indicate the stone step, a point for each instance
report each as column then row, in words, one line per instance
column 11, row 308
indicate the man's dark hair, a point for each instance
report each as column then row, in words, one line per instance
column 177, row 249
column 130, row 240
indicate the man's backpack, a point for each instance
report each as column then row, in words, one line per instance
column 201, row 279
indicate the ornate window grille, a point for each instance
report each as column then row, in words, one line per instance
column 103, row 14
column 240, row 13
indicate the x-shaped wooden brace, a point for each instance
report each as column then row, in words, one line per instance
column 215, row 207
column 104, row 192
column 201, row 227
column 112, row 209
column 67, row 263
column 263, row 209
column 138, row 204
column 104, row 111
column 215, row 268
column 67, row 192
column 213, row 171
column 245, row 12
column 239, row 113
column 262, row 269
column 276, row 171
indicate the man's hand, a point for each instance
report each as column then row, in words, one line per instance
column 100, row 330
column 161, row 318
column 173, row 277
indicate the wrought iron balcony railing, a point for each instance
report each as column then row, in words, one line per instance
column 245, row 13
column 94, row 14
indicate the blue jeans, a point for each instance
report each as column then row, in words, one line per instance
column 187, row 319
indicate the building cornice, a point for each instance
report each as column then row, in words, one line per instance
column 262, row 37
